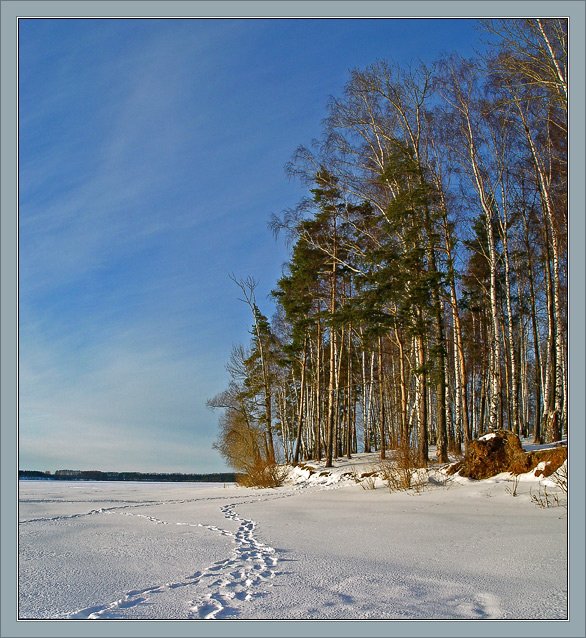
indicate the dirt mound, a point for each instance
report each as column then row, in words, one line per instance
column 501, row 451
column 548, row 461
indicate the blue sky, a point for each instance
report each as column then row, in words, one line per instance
column 151, row 156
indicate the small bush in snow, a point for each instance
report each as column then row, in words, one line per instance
column 544, row 499
column 368, row 483
column 401, row 472
column 263, row 474
column 514, row 487
column 560, row 478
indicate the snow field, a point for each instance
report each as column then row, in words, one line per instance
column 320, row 547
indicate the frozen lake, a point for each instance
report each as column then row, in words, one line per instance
column 98, row 548
column 203, row 551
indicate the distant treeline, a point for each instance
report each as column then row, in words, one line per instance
column 96, row 475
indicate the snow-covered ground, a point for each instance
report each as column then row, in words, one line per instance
column 320, row 547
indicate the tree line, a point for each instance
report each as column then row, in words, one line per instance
column 425, row 298
column 98, row 475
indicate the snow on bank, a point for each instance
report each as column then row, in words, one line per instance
column 366, row 468
column 320, row 547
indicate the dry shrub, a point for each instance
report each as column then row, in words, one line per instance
column 544, row 499
column 365, row 480
column 514, row 489
column 353, row 475
column 263, row 474
column 560, row 478
column 401, row 472
column 368, row 483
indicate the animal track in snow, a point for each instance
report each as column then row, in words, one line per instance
column 131, row 599
column 238, row 579
column 115, row 508
column 220, row 589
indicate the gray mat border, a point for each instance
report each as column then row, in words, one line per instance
column 10, row 11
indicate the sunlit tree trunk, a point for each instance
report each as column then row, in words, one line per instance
column 554, row 415
column 421, row 398
column 301, row 402
column 381, row 400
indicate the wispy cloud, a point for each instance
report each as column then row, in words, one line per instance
column 103, row 212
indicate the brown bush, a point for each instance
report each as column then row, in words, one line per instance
column 400, row 472
column 263, row 474
column 369, row 483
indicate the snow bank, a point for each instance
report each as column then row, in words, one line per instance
column 363, row 469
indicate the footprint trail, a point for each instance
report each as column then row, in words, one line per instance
column 219, row 591
column 240, row 578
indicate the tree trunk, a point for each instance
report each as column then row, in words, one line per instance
column 554, row 415
column 403, row 390
column 381, row 400
column 332, row 370
column 301, row 403
column 514, row 377
column 349, row 400
column 421, row 397
column 318, row 394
